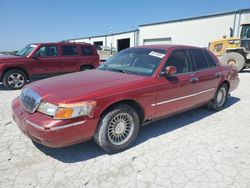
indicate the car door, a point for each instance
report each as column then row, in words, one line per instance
column 68, row 58
column 88, row 57
column 176, row 93
column 45, row 62
column 207, row 73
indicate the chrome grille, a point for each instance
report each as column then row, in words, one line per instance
column 29, row 100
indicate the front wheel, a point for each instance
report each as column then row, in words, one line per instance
column 117, row 129
column 219, row 99
column 14, row 79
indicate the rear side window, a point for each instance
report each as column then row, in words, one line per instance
column 181, row 60
column 210, row 60
column 200, row 59
column 69, row 50
column 86, row 50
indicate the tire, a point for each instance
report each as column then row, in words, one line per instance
column 111, row 134
column 219, row 99
column 14, row 79
column 86, row 67
column 235, row 59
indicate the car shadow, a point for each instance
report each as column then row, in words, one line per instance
column 245, row 71
column 2, row 87
column 89, row 150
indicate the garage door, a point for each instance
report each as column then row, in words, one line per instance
column 157, row 41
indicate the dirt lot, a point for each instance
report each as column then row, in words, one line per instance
column 199, row 148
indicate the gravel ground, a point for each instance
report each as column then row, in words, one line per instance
column 199, row 148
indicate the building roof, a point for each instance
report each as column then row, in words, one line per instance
column 97, row 36
column 199, row 17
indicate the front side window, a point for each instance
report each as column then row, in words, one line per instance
column 86, row 50
column 245, row 33
column 139, row 61
column 47, row 51
column 69, row 50
column 200, row 59
column 181, row 60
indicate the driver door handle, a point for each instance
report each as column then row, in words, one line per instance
column 194, row 80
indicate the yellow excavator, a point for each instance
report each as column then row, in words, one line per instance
column 234, row 50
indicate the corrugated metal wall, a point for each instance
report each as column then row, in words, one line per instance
column 197, row 32
column 111, row 39
column 193, row 31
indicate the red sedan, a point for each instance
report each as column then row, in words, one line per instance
column 136, row 86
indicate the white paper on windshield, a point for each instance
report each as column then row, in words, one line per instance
column 33, row 45
column 157, row 54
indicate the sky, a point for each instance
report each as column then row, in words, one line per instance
column 27, row 21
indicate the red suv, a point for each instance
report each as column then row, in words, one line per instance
column 37, row 61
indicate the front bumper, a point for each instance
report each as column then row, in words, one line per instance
column 50, row 132
column 234, row 84
column 1, row 74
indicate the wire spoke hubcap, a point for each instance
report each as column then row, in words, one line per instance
column 16, row 80
column 120, row 128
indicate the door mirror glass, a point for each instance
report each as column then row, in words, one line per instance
column 170, row 70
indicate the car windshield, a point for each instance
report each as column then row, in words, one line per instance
column 139, row 61
column 27, row 50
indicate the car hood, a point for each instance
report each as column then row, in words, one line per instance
column 7, row 58
column 81, row 86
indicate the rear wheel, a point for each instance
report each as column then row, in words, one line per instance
column 117, row 129
column 234, row 59
column 86, row 67
column 220, row 98
column 14, row 79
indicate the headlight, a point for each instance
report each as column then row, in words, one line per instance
column 47, row 108
column 68, row 111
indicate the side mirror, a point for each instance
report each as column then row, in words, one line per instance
column 169, row 71
column 36, row 55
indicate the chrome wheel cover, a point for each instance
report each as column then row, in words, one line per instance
column 221, row 96
column 15, row 80
column 120, row 128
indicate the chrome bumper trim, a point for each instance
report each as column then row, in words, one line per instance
column 54, row 128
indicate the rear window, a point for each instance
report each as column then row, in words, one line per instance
column 69, row 50
column 200, row 59
column 86, row 50
column 210, row 60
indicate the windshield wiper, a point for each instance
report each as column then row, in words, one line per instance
column 117, row 70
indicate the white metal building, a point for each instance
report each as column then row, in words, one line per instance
column 197, row 31
column 116, row 41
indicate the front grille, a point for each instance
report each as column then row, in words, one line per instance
column 29, row 100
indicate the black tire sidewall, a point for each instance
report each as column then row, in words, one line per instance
column 213, row 104
column 8, row 73
column 101, row 135
column 85, row 68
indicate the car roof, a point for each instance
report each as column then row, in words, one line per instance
column 69, row 43
column 166, row 47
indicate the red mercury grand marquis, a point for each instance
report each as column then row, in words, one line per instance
column 134, row 87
